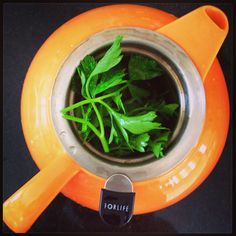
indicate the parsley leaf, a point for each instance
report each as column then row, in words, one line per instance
column 143, row 68
column 159, row 144
column 118, row 101
column 138, row 93
column 114, row 80
column 111, row 58
column 140, row 142
column 137, row 124
column 85, row 68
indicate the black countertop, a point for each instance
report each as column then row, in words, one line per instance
column 26, row 26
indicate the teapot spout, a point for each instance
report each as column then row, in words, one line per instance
column 200, row 33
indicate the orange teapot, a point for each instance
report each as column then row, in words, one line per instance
column 186, row 47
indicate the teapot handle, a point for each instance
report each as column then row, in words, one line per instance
column 200, row 33
column 23, row 208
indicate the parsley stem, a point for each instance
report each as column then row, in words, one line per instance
column 90, row 100
column 79, row 120
column 111, row 94
column 87, row 86
column 92, row 127
column 76, row 105
column 99, row 118
column 102, row 129
column 104, row 144
column 95, row 109
column 106, row 105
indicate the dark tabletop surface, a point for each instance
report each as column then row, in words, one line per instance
column 26, row 26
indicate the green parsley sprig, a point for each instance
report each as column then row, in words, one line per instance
column 121, row 125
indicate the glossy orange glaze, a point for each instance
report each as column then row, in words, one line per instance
column 27, row 203
column 200, row 33
column 43, row 143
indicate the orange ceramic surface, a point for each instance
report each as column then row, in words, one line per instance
column 43, row 143
column 206, row 24
column 27, row 203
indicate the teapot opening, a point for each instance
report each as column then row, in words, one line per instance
column 217, row 16
column 169, row 85
column 183, row 78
